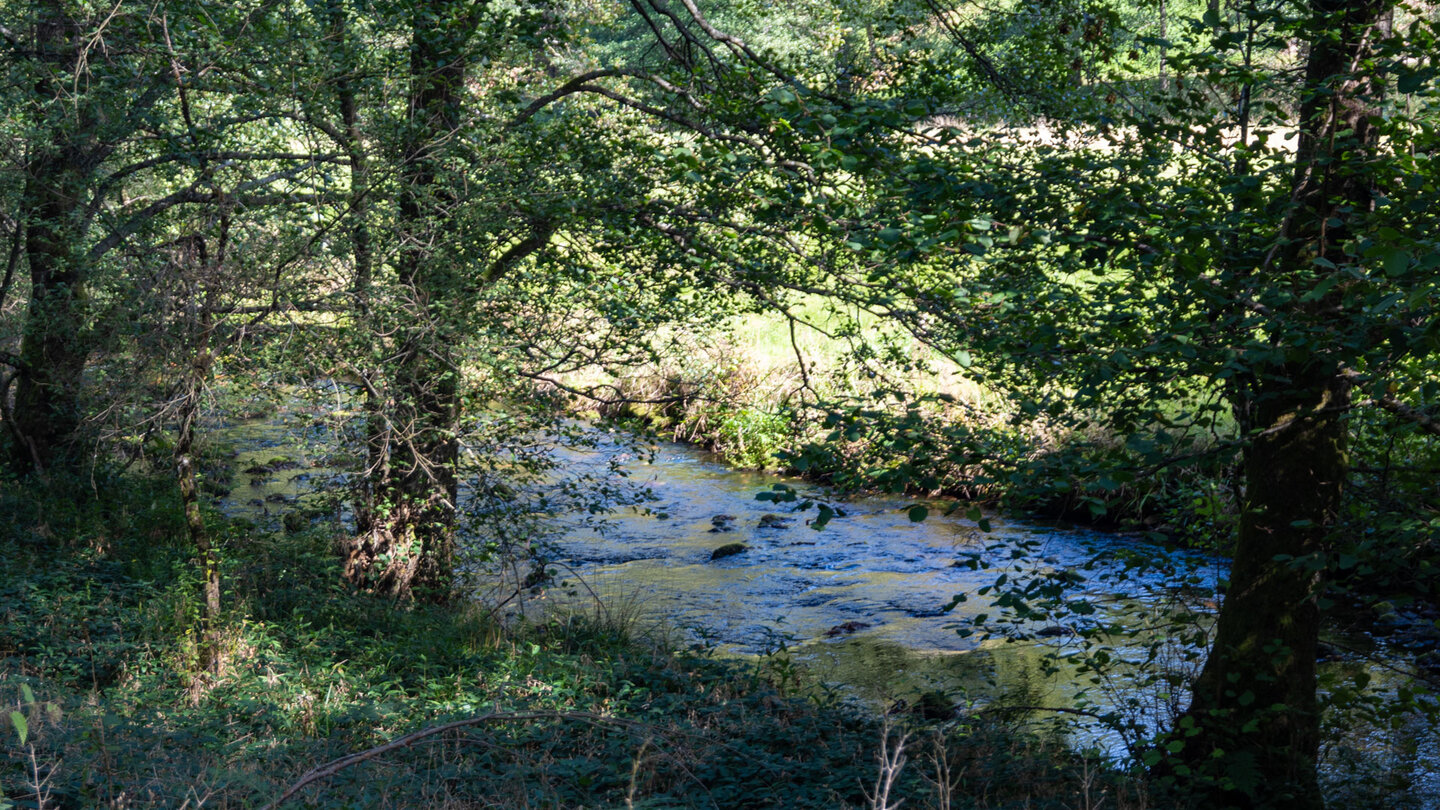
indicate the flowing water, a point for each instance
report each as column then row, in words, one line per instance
column 863, row 601
column 867, row 603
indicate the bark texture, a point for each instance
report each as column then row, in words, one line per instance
column 64, row 157
column 406, row 540
column 1252, row 732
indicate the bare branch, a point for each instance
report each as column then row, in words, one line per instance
column 1415, row 416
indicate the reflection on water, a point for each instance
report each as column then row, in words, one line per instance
column 861, row 602
column 873, row 567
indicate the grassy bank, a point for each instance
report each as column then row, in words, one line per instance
column 767, row 393
column 868, row 410
column 98, row 605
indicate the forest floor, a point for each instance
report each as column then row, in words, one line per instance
column 106, row 708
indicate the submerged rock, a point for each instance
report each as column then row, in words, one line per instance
column 1429, row 661
column 934, row 705
column 729, row 550
column 846, row 629
column 773, row 522
column 930, row 705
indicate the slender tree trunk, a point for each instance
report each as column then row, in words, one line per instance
column 207, row 634
column 1252, row 731
column 405, row 545
column 362, row 255
column 1164, row 48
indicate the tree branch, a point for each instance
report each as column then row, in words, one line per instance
column 1413, row 415
column 335, row 766
column 14, row 361
column 11, row 262
column 519, row 251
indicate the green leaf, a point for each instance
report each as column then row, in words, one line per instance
column 1413, row 81
column 826, row 513
column 1396, row 263
column 21, row 726
column 918, row 512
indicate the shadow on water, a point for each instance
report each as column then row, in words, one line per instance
column 861, row 603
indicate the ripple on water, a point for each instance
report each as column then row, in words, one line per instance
column 873, row 568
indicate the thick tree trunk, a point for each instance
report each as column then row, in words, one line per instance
column 405, row 543
column 1251, row 735
column 63, row 157
column 1253, row 725
column 52, row 349
column 406, row 539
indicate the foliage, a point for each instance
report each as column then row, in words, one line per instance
column 313, row 670
column 1177, row 321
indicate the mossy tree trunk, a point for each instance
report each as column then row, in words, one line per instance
column 1253, row 714
column 405, row 542
column 1252, row 732
column 64, row 154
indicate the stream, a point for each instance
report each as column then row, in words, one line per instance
column 861, row 604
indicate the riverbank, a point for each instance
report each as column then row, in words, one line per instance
column 884, row 413
column 97, row 661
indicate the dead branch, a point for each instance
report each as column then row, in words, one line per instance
column 337, row 765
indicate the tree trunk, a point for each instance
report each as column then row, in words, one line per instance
column 1252, row 732
column 406, row 539
column 1253, row 713
column 1164, row 46
column 52, row 349
column 207, row 634
column 64, row 154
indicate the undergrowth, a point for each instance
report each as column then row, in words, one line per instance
column 97, row 617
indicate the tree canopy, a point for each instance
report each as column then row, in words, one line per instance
column 1177, row 236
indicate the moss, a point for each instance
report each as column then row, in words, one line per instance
column 728, row 550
